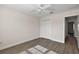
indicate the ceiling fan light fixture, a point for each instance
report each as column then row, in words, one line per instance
column 51, row 12
column 42, row 5
column 44, row 9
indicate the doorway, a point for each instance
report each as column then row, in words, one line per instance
column 71, row 26
column 71, row 34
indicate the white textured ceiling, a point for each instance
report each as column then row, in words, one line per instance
column 31, row 9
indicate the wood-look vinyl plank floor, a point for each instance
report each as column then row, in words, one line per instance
column 59, row 48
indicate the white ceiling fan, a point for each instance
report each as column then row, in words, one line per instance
column 45, row 9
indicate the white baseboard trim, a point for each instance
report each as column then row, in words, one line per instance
column 52, row 39
column 14, row 44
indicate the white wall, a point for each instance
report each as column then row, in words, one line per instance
column 16, row 27
column 53, row 26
